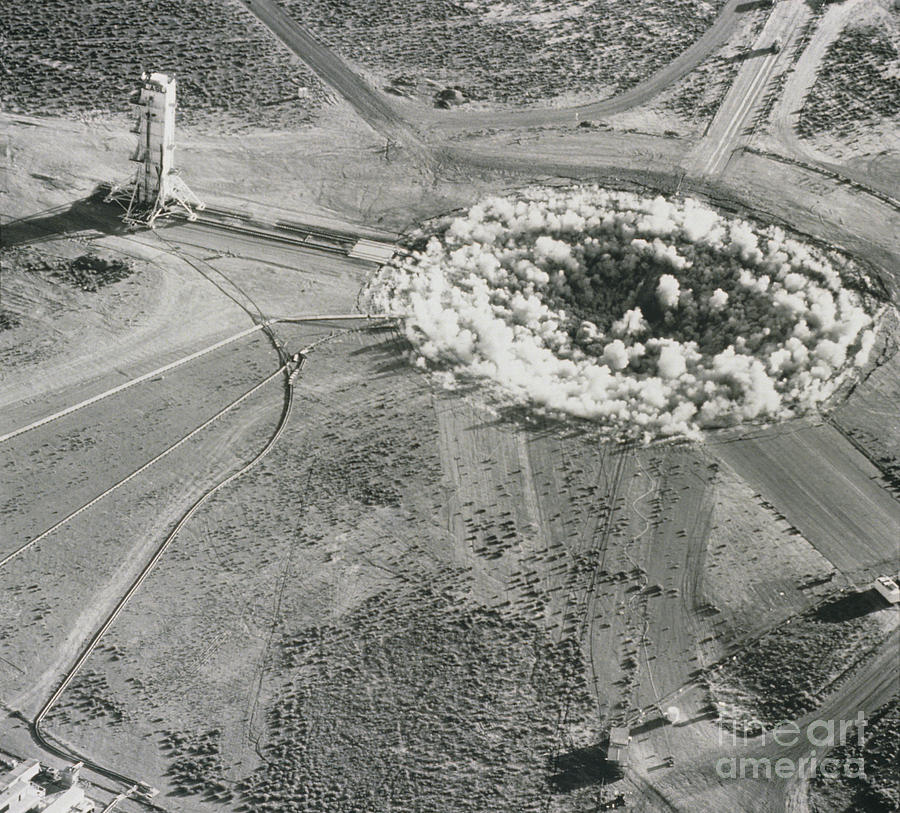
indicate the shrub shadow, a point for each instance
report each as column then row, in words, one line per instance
column 850, row 606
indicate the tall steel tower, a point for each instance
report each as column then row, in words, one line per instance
column 156, row 188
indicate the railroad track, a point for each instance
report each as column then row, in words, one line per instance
column 279, row 232
column 289, row 232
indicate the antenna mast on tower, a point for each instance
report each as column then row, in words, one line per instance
column 156, row 188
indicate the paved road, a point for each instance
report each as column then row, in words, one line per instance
column 711, row 155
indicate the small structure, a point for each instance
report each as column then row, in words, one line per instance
column 156, row 188
column 19, row 793
column 888, row 589
column 617, row 753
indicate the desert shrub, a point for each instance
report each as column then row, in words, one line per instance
column 91, row 273
column 89, row 697
column 785, row 674
column 196, row 766
column 858, row 83
column 416, row 703
column 65, row 56
column 527, row 52
column 878, row 791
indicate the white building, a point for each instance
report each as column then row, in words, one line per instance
column 619, row 738
column 17, row 792
column 156, row 188
column 155, row 129
column 20, row 794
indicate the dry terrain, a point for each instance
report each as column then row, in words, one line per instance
column 857, row 87
column 71, row 57
column 516, row 53
column 416, row 600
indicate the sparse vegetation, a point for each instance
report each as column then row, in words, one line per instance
column 785, row 674
column 89, row 698
column 68, row 56
column 196, row 763
column 857, row 85
column 417, row 702
column 878, row 791
column 518, row 52
column 698, row 96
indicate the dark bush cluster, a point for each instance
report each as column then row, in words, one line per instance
column 784, row 675
column 64, row 56
column 878, row 791
column 8, row 319
column 418, row 702
column 196, row 765
column 90, row 697
column 91, row 273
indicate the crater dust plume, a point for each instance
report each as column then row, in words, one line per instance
column 652, row 317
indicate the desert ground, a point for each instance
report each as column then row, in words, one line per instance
column 351, row 587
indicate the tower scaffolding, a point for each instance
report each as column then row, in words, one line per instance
column 155, row 189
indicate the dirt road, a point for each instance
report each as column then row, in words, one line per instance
column 714, row 38
column 844, row 511
column 372, row 107
column 711, row 154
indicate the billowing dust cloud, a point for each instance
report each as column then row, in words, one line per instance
column 652, row 317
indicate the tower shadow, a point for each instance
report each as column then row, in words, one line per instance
column 85, row 213
column 583, row 767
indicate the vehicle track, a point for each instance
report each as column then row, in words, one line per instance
column 600, row 546
column 38, row 720
column 35, row 725
column 128, row 384
column 375, row 110
column 372, row 107
column 56, row 526
column 253, row 310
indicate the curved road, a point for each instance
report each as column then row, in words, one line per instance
column 36, row 725
column 374, row 108
column 713, row 38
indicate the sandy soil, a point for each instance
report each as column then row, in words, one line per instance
column 429, row 569
column 846, row 502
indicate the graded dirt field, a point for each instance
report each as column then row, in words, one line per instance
column 865, row 417
column 846, row 512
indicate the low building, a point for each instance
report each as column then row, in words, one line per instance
column 20, row 793
column 888, row 589
column 617, row 753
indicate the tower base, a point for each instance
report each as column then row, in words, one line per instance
column 175, row 198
